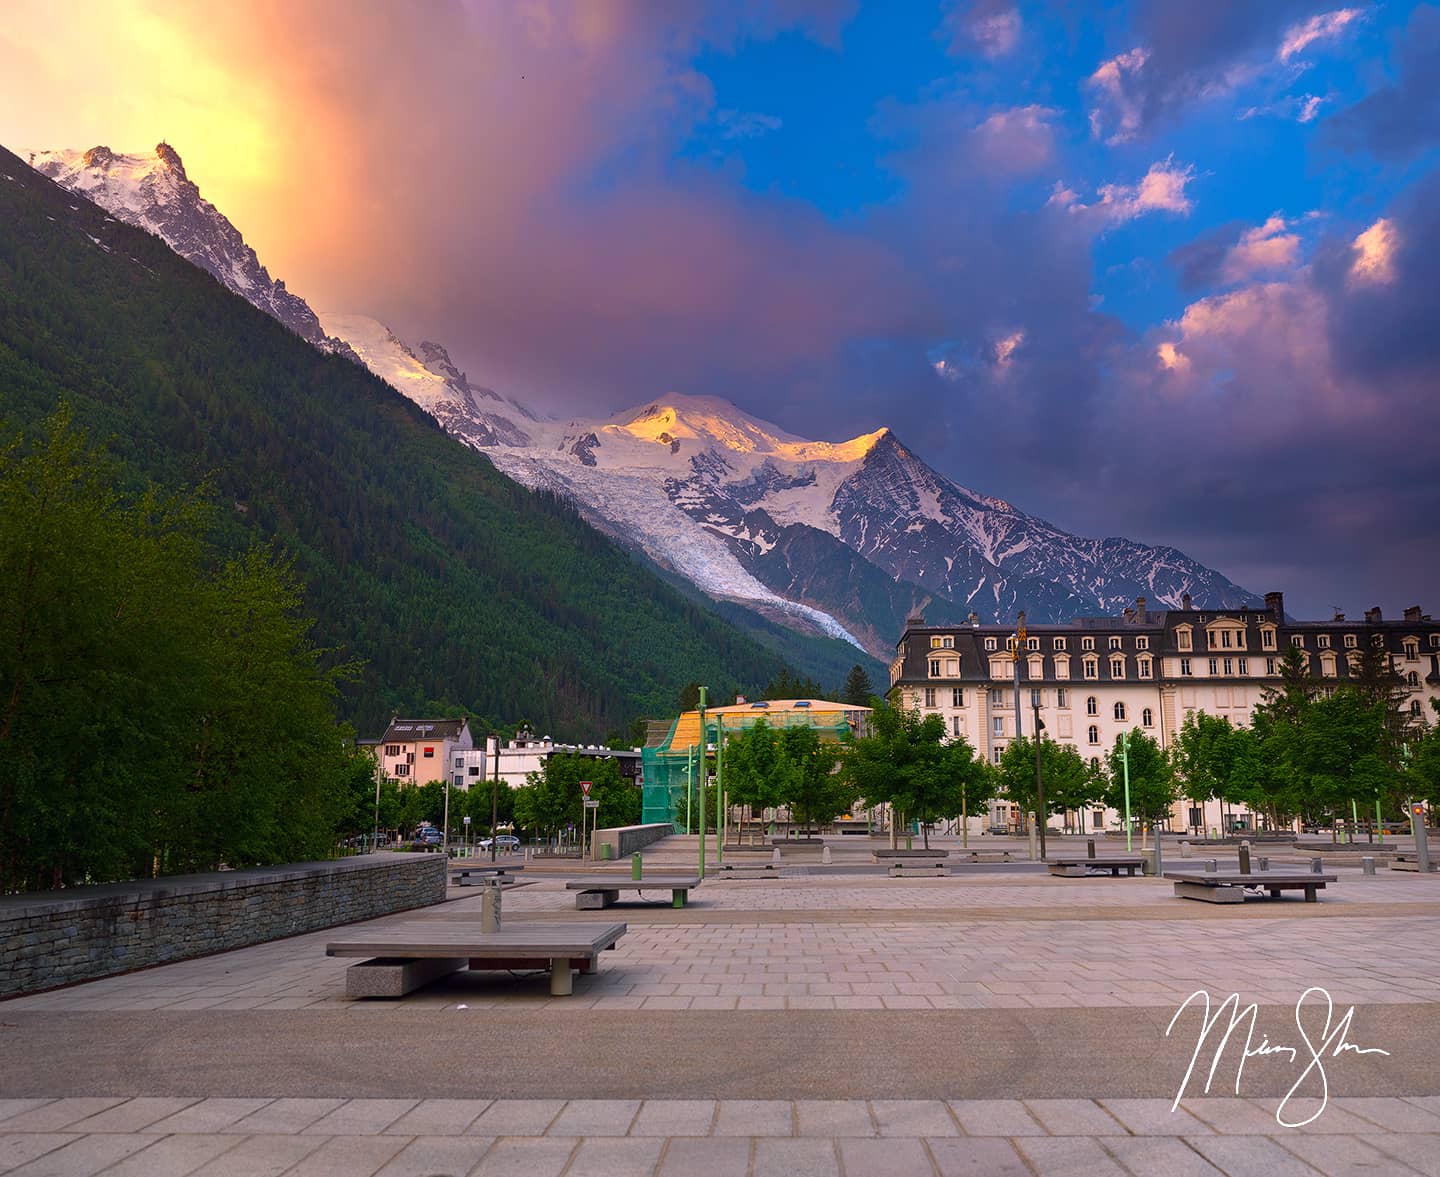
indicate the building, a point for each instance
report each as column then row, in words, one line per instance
column 1094, row 677
column 420, row 751
column 513, row 761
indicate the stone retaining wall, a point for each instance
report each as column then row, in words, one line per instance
column 625, row 840
column 58, row 937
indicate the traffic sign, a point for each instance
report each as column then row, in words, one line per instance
column 591, row 804
column 585, row 788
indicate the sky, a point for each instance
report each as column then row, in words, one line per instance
column 1166, row 270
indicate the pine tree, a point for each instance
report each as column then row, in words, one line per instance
column 857, row 690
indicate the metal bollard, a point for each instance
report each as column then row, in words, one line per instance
column 1264, row 861
column 636, row 866
column 1184, row 849
column 1316, row 867
column 775, row 856
column 825, row 855
column 1244, row 858
column 1367, row 865
column 1090, row 848
column 490, row 906
column 1211, row 866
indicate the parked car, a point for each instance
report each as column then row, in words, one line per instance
column 505, row 842
column 429, row 835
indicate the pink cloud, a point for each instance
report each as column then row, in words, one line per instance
column 1115, row 103
column 1264, row 249
column 1018, row 140
column 1161, row 189
column 1324, row 26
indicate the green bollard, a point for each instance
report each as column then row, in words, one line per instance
column 909, row 842
column 635, row 865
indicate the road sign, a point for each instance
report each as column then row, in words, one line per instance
column 467, row 819
column 592, row 804
column 585, row 788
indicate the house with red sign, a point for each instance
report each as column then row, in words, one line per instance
column 418, row 751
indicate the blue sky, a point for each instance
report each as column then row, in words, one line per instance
column 1159, row 268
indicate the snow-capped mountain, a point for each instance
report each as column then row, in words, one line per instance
column 842, row 537
column 838, row 538
column 152, row 192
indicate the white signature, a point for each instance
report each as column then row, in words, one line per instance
column 1331, row 1043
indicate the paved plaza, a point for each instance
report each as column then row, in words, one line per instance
column 824, row 1022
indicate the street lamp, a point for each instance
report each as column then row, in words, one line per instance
column 1125, row 764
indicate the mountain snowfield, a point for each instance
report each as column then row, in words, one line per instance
column 840, row 538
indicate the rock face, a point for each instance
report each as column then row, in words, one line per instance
column 153, row 192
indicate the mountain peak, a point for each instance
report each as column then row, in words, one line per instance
column 98, row 157
column 170, row 158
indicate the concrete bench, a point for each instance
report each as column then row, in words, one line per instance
column 597, row 891
column 986, row 856
column 1077, row 868
column 1409, row 860
column 744, row 870
column 1231, row 887
column 504, row 874
column 408, row 955
column 894, row 856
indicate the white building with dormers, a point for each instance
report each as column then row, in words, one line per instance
column 1095, row 677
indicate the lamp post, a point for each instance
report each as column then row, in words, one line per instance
column 704, row 781
column 493, row 740
column 379, row 773
column 1125, row 765
column 1039, row 783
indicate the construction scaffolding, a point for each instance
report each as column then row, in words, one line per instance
column 672, row 761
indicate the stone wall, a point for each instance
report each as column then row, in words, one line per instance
column 625, row 840
column 86, row 932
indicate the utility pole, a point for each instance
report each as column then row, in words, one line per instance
column 703, row 782
column 1039, row 782
column 493, row 741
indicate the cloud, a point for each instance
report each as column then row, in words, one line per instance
column 1161, row 189
column 1301, row 108
column 1400, row 120
column 1017, row 140
column 995, row 29
column 1374, row 263
column 1261, row 250
column 1326, row 26
column 739, row 124
column 1117, row 104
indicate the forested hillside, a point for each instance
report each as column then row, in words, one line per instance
column 456, row 587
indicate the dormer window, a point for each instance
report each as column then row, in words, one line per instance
column 935, row 641
column 1351, row 641
column 1323, row 641
column 1114, row 643
column 1297, row 639
column 990, row 644
column 1092, row 667
column 1142, row 643
column 1117, row 667
column 1145, row 667
column 1182, row 639
column 1087, row 643
column 1032, row 643
column 1412, row 649
column 1267, row 638
column 1060, row 642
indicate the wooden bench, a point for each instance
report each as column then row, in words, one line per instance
column 503, row 873
column 597, row 891
column 1230, row 886
column 408, row 955
column 1078, row 868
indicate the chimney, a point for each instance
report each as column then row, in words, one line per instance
column 1139, row 608
column 1275, row 603
column 915, row 620
column 975, row 619
column 1185, row 602
column 1372, row 616
column 740, row 699
column 1412, row 613
column 1339, row 616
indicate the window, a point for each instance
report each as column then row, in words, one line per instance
column 1099, row 813
column 1037, row 667
column 1117, row 667
column 997, row 697
column 402, row 770
column 1182, row 639
column 459, row 762
column 1269, row 665
column 1415, row 707
column 997, row 725
column 1350, row 642
column 1011, row 642
column 1323, row 641
column 1412, row 650
column 934, row 667
column 1087, row 643
column 1267, row 639
column 474, row 770
column 1092, row 668
column 1114, row 643
column 1094, row 734
column 1214, row 666
column 990, row 644
column 1034, row 697
column 1060, row 642
column 996, row 753
column 955, row 726
column 929, row 696
column 392, row 749
column 1412, row 680
column 1297, row 639
column 935, row 641
column 1062, row 666
column 1327, row 665
column 1145, row 667
column 1062, row 697
column 1185, row 666
column 430, row 753
column 957, row 696
column 1229, row 666
column 1119, row 710
column 1226, row 638
column 1142, row 643
column 1378, row 640
column 1244, row 666
column 1092, row 706
column 1147, row 717
column 947, row 642
column 1435, row 641
column 1032, row 643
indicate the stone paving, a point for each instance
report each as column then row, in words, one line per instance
column 868, row 948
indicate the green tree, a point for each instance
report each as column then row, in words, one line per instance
column 1203, row 756
column 905, row 762
column 551, row 799
column 752, row 767
column 1153, row 788
column 857, row 690
column 809, row 783
column 1070, row 782
column 788, row 685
